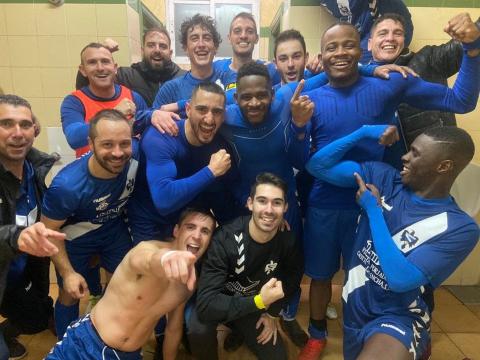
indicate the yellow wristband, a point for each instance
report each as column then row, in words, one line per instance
column 259, row 302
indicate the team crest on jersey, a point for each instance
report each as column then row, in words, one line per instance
column 408, row 239
column 270, row 267
column 414, row 235
column 102, row 206
column 102, row 202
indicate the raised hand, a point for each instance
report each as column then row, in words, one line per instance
column 179, row 266
column 220, row 162
column 301, row 106
column 462, row 28
column 271, row 292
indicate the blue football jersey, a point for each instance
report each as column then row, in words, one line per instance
column 434, row 234
column 89, row 204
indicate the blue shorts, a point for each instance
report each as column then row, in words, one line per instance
column 110, row 246
column 412, row 333
column 328, row 234
column 82, row 342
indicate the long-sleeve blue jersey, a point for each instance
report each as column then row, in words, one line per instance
column 172, row 174
column 340, row 111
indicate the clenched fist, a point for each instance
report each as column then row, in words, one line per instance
column 220, row 162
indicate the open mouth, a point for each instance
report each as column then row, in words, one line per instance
column 389, row 47
column 341, row 64
column 202, row 53
column 102, row 76
column 207, row 129
column 194, row 249
column 405, row 171
column 292, row 75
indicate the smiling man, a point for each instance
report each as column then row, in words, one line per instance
column 434, row 63
column 243, row 37
column 80, row 107
column 346, row 103
column 147, row 76
column 24, row 282
column 175, row 170
column 411, row 234
column 200, row 40
column 250, row 266
column 155, row 278
column 86, row 200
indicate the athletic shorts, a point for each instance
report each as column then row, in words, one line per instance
column 110, row 246
column 328, row 234
column 413, row 334
column 82, row 342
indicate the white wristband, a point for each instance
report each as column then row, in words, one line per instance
column 165, row 256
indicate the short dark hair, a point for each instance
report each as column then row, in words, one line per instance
column 159, row 29
column 340, row 23
column 290, row 34
column 93, row 45
column 271, row 179
column 456, row 143
column 108, row 114
column 388, row 16
column 243, row 15
column 15, row 100
column 205, row 22
column 196, row 210
column 254, row 68
column 211, row 88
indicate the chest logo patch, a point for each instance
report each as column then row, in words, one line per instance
column 270, row 267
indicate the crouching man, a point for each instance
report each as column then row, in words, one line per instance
column 249, row 268
column 154, row 279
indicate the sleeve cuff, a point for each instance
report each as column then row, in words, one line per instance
column 472, row 46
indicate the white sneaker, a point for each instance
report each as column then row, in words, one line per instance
column 331, row 312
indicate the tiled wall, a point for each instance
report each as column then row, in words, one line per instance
column 40, row 46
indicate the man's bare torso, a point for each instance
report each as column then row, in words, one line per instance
column 133, row 303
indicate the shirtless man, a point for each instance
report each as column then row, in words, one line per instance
column 155, row 278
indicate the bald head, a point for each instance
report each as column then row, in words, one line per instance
column 333, row 30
